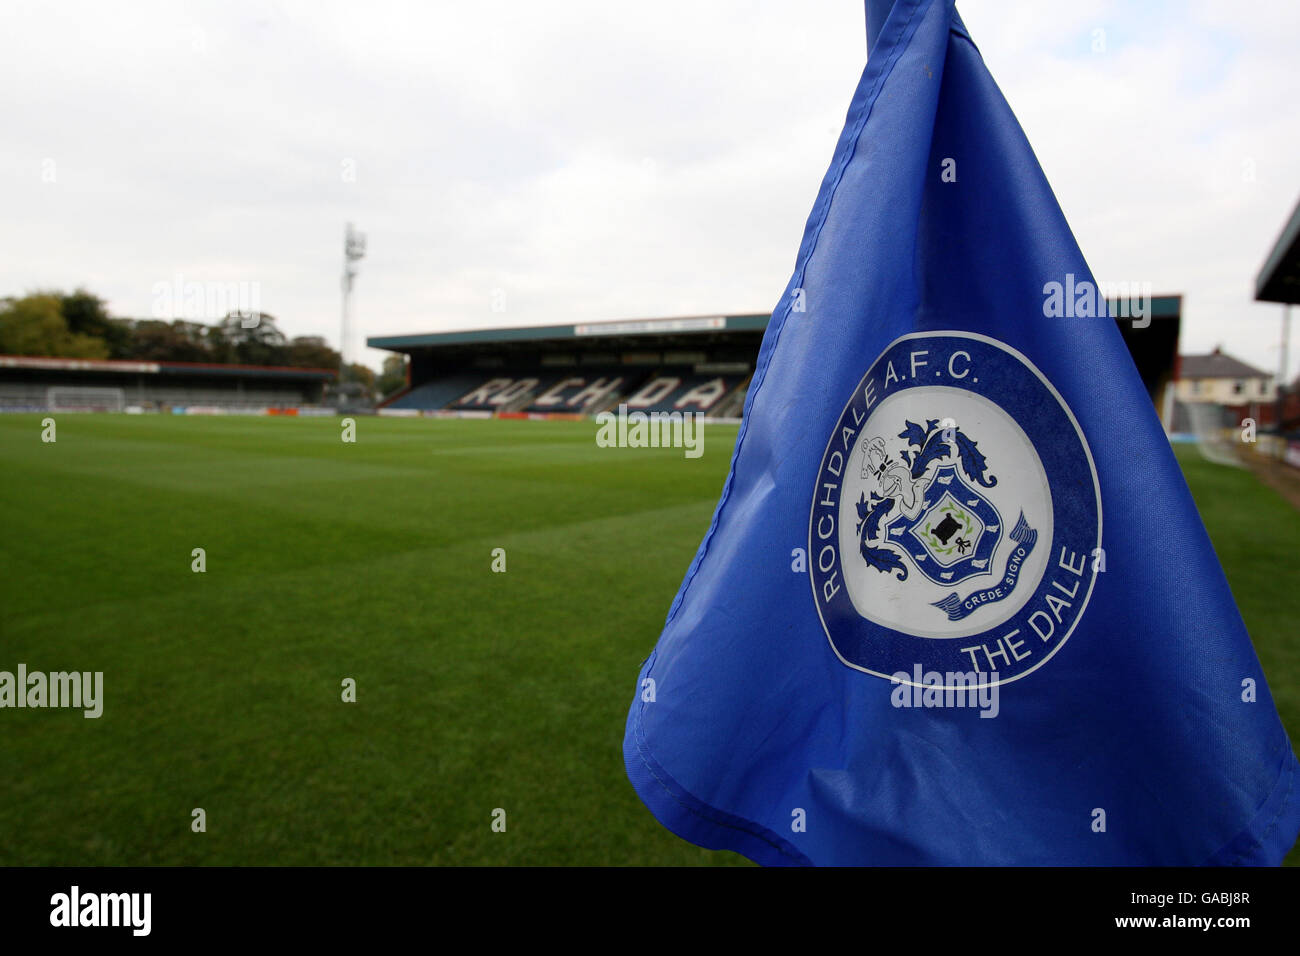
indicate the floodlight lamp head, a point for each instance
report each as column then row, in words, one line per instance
column 355, row 247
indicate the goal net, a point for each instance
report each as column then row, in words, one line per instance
column 77, row 398
column 1216, row 432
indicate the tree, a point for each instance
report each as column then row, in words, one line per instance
column 87, row 314
column 35, row 325
column 258, row 343
column 393, row 376
column 220, row 348
column 362, row 375
column 311, row 351
column 77, row 325
column 156, row 340
column 357, row 386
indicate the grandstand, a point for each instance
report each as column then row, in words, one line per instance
column 29, row 384
column 690, row 364
column 1279, row 281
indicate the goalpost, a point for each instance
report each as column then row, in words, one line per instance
column 84, row 398
column 1214, row 436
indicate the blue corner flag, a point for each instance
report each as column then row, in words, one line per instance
column 956, row 604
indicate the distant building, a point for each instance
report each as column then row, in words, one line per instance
column 33, row 384
column 1223, row 380
column 689, row 364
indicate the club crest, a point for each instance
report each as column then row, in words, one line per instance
column 956, row 516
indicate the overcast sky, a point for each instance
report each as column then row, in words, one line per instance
column 598, row 160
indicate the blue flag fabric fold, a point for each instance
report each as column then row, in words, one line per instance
column 956, row 604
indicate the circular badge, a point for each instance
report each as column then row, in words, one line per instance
column 956, row 522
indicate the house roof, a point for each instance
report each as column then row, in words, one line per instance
column 1216, row 365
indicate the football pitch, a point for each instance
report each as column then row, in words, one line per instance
column 476, row 690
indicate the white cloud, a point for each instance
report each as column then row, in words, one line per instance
column 1146, row 145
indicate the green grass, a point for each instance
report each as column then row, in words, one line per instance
column 326, row 560
column 372, row 561
column 1254, row 532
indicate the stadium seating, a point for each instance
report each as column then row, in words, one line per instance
column 438, row 393
column 507, row 390
column 680, row 390
column 586, row 390
column 578, row 390
column 21, row 396
column 30, row 396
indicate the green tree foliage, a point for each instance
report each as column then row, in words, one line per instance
column 256, row 340
column 357, row 386
column 36, row 325
column 78, row 325
column 310, row 351
column 86, row 314
column 156, row 340
column 361, row 375
column 393, row 376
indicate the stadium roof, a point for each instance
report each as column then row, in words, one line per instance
column 1163, row 306
column 688, row 325
column 50, row 363
column 1279, row 279
column 1217, row 365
